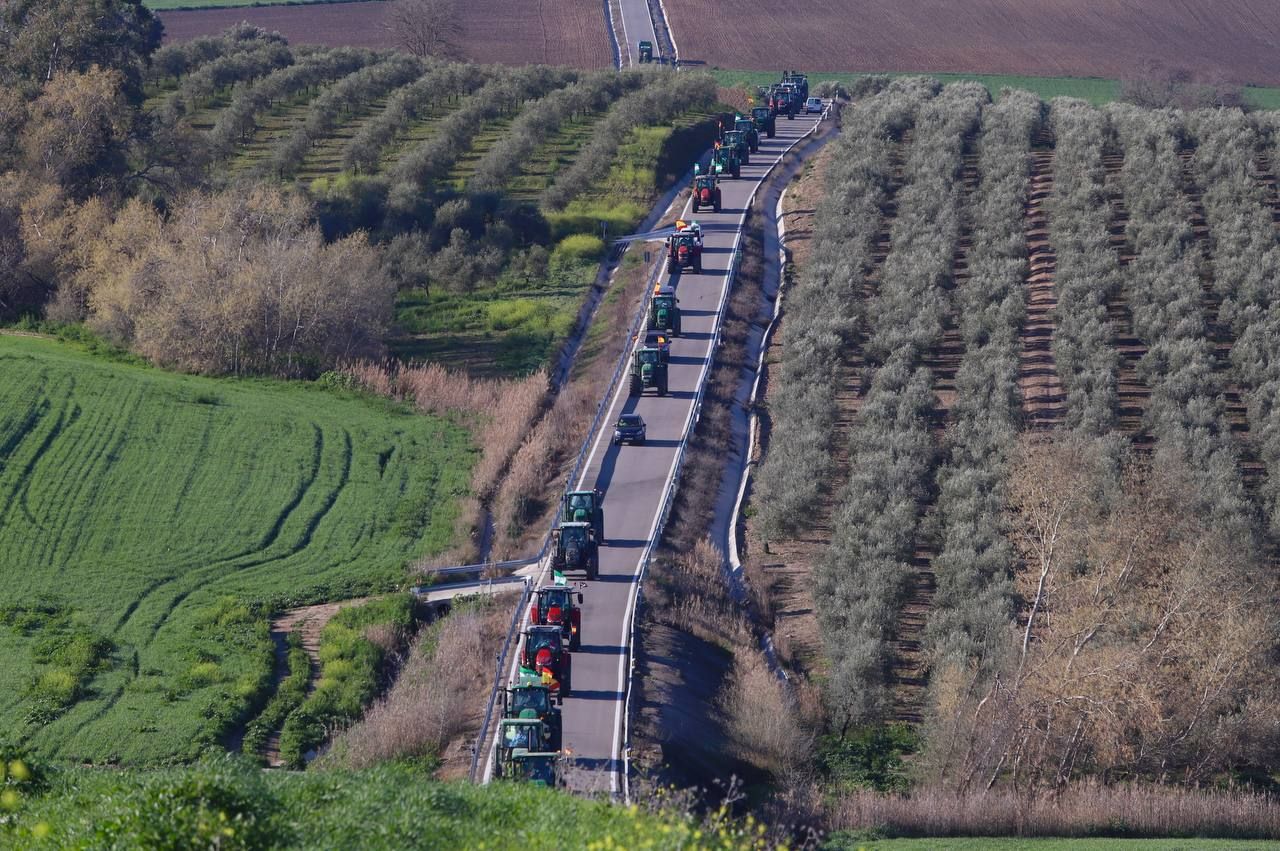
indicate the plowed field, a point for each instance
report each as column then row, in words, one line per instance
column 1234, row 39
column 570, row 32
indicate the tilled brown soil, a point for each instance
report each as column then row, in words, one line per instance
column 553, row 32
column 1043, row 400
column 1234, row 39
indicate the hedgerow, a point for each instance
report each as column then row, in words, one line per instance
column 971, row 609
column 862, row 578
column 442, row 83
column 237, row 123
column 1087, row 272
column 665, row 97
column 824, row 310
column 336, row 103
column 1246, row 266
column 543, row 117
column 1186, row 412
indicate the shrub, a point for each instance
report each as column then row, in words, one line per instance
column 577, row 247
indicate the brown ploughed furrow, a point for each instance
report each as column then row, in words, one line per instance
column 1132, row 391
column 1043, row 400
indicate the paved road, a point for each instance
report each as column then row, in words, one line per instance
column 637, row 26
column 634, row 480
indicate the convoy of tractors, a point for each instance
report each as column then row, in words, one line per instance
column 530, row 731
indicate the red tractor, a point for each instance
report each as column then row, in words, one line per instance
column 684, row 248
column 546, row 658
column 557, row 605
column 706, row 192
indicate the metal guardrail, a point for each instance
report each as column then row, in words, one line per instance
column 673, row 483
column 493, row 693
column 602, row 409
column 481, row 567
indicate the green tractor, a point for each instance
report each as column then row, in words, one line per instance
column 735, row 139
column 531, row 695
column 725, row 160
column 747, row 128
column 763, row 118
column 664, row 313
column 649, row 369
column 518, row 739
column 584, row 507
column 646, row 52
column 576, row 548
column 706, row 190
column 799, row 81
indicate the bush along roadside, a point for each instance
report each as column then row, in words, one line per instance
column 358, row 649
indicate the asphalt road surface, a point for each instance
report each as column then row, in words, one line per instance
column 634, row 481
column 637, row 26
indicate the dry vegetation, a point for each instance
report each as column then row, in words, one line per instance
column 1104, row 604
column 436, row 703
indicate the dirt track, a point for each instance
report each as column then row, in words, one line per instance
column 1107, row 38
column 555, row 32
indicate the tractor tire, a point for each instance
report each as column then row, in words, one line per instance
column 675, row 327
column 593, row 568
column 662, row 388
column 695, row 206
column 737, row 171
column 575, row 643
column 672, row 266
column 755, row 146
column 697, row 266
column 746, row 159
column 637, row 386
column 716, row 206
column 771, row 132
column 566, row 682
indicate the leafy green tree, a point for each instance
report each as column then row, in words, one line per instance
column 41, row 38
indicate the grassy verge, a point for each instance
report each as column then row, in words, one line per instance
column 1096, row 90
column 355, row 649
column 229, row 804
column 150, row 522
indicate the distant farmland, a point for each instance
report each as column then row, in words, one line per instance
column 1101, row 38
column 570, row 33
column 151, row 520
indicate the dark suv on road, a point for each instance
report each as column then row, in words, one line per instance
column 629, row 427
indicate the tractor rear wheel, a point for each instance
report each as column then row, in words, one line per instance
column 737, row 171
column 771, row 132
column 566, row 682
column 575, row 643
column 695, row 206
column 697, row 266
column 662, row 387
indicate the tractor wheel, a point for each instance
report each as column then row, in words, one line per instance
column 662, row 388
column 695, row 206
column 746, row 159
column 717, row 204
column 637, row 386
column 593, row 568
column 672, row 265
column 697, row 266
column 737, row 171
column 566, row 682
column 755, row 148
column 771, row 132
column 575, row 643
column 675, row 327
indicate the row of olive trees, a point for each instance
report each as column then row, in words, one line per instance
column 862, row 579
column 180, row 59
column 1087, row 272
column 823, row 308
column 972, row 610
column 543, row 118
column 1246, row 267
column 237, row 123
column 441, row 84
column 662, row 100
column 351, row 93
column 1186, row 412
column 425, row 165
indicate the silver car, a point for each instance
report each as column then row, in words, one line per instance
column 813, row 105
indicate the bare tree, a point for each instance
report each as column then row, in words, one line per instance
column 426, row 27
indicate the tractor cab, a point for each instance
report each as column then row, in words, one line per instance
column 646, row 51
column 584, row 507
column 526, row 732
column 684, row 248
column 664, row 312
column 747, row 128
column 530, row 695
column 706, row 192
column 725, row 160
column 736, row 139
column 558, row 605
column 536, row 768
column 576, row 548
column 544, row 656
